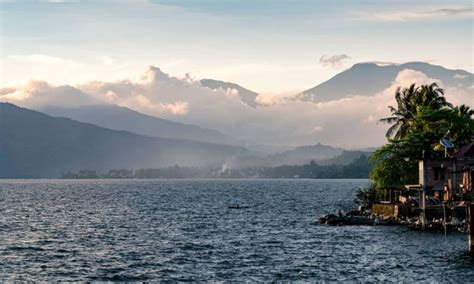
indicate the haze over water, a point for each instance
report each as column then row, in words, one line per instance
column 131, row 230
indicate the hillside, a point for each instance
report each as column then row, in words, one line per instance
column 366, row 79
column 33, row 144
column 346, row 157
column 122, row 118
column 298, row 156
column 247, row 96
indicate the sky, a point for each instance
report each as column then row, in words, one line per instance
column 272, row 47
column 149, row 56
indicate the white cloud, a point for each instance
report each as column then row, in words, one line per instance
column 407, row 77
column 279, row 120
column 457, row 95
column 460, row 76
column 57, row 70
column 42, row 59
column 179, row 107
column 271, row 99
column 106, row 60
column 36, row 94
column 60, row 1
column 415, row 13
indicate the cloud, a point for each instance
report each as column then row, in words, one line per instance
column 179, row 107
column 404, row 79
column 278, row 120
column 59, row 1
column 59, row 70
column 36, row 94
column 415, row 14
column 42, row 59
column 458, row 95
column 106, row 60
column 271, row 99
column 460, row 76
column 334, row 61
column 407, row 77
column 382, row 63
column 455, row 11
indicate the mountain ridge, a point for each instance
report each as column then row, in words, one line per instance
column 36, row 145
column 247, row 96
column 122, row 118
column 366, row 79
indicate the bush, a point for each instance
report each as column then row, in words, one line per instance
column 366, row 196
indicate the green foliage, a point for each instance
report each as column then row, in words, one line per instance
column 358, row 168
column 461, row 125
column 391, row 169
column 409, row 103
column 421, row 119
column 82, row 174
column 367, row 196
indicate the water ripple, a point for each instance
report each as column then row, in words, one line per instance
column 184, row 230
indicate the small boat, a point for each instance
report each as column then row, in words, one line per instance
column 237, row 206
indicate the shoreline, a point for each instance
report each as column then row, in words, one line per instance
column 204, row 178
column 361, row 217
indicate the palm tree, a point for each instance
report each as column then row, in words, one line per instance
column 431, row 96
column 403, row 115
column 464, row 111
column 461, row 125
column 410, row 101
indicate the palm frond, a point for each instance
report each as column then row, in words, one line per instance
column 393, row 131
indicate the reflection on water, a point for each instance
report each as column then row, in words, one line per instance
column 185, row 230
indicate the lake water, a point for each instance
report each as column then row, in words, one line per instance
column 136, row 230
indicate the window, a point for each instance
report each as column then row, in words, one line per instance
column 438, row 173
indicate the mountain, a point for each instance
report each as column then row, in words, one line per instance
column 345, row 158
column 247, row 96
column 298, row 156
column 303, row 155
column 122, row 118
column 366, row 79
column 33, row 144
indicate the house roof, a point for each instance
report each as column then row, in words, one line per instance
column 465, row 151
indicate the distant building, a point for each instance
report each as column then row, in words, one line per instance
column 465, row 163
column 444, row 182
column 449, row 179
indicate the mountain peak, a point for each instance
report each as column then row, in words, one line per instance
column 363, row 65
column 247, row 96
column 369, row 78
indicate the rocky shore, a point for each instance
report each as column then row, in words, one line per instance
column 364, row 217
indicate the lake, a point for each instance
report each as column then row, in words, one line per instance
column 144, row 230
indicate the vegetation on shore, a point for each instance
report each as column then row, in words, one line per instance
column 420, row 120
column 366, row 197
column 359, row 168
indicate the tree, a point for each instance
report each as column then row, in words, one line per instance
column 409, row 103
column 393, row 166
column 461, row 125
column 421, row 119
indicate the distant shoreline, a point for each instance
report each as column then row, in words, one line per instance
column 111, row 179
